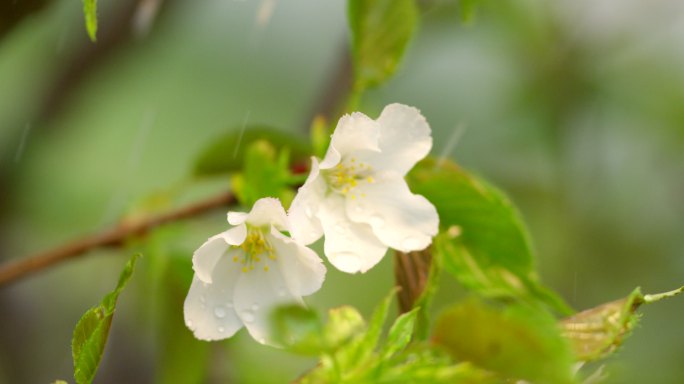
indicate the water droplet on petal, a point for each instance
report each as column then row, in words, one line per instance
column 411, row 244
column 221, row 329
column 203, row 299
column 340, row 229
column 190, row 325
column 281, row 292
column 307, row 211
column 255, row 307
column 376, row 221
column 219, row 311
column 247, row 316
column 229, row 304
column 346, row 261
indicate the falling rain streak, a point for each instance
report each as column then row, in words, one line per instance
column 454, row 138
column 22, row 143
column 242, row 132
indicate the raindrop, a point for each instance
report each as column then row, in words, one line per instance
column 307, row 211
column 411, row 243
column 221, row 329
column 340, row 229
column 313, row 234
column 219, row 311
column 203, row 299
column 247, row 316
column 190, row 324
column 255, row 307
column 281, row 292
column 347, row 261
column 229, row 304
column 376, row 221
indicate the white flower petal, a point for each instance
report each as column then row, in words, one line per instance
column 302, row 269
column 304, row 225
column 235, row 235
column 237, row 218
column 207, row 255
column 350, row 247
column 404, row 139
column 208, row 308
column 268, row 211
column 257, row 293
column 401, row 220
column 355, row 132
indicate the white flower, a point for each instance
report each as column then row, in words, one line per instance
column 357, row 195
column 242, row 273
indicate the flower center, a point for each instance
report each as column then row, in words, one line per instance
column 255, row 249
column 347, row 175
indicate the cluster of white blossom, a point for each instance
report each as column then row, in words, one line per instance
column 356, row 198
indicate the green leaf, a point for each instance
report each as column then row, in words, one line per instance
column 400, row 333
column 518, row 343
column 90, row 13
column 381, row 30
column 598, row 332
column 372, row 336
column 265, row 173
column 483, row 241
column 226, row 154
column 92, row 330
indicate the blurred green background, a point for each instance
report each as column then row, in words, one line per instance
column 574, row 108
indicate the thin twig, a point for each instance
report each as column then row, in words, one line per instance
column 15, row 270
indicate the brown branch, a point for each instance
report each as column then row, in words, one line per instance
column 14, row 270
column 411, row 271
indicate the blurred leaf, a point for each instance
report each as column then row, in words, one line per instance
column 381, row 30
column 265, row 174
column 483, row 241
column 343, row 324
column 92, row 330
column 468, row 10
column 518, row 342
column 598, row 332
column 180, row 357
column 90, row 13
column 226, row 153
column 299, row 329
column 320, row 136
